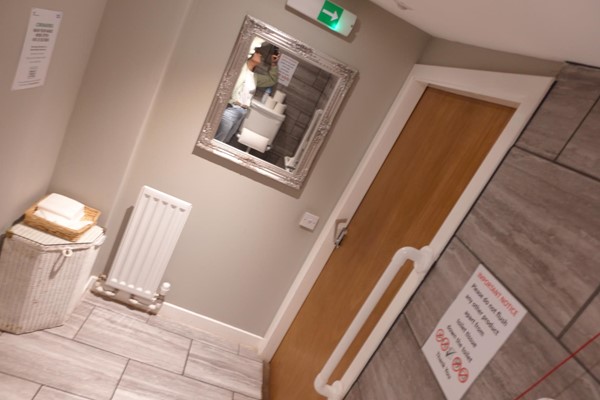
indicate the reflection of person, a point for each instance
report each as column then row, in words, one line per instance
column 245, row 87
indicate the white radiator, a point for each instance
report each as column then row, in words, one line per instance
column 146, row 247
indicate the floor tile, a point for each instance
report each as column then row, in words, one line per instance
column 221, row 368
column 446, row 279
column 584, row 329
column 583, row 388
column 115, row 306
column 581, row 73
column 74, row 322
column 134, row 339
column 47, row 393
column 143, row 382
column 61, row 363
column 526, row 356
column 12, row 388
column 399, row 366
column 249, row 352
column 237, row 396
column 557, row 118
column 192, row 333
column 583, row 151
column 354, row 393
column 537, row 226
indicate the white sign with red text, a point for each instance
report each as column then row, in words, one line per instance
column 471, row 331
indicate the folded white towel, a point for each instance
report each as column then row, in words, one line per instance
column 62, row 206
column 74, row 224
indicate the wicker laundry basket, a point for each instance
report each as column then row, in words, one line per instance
column 42, row 277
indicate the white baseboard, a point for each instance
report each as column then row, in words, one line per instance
column 207, row 324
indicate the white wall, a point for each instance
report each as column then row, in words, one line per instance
column 33, row 121
column 241, row 247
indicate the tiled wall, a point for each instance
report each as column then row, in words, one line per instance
column 308, row 90
column 306, row 93
column 536, row 227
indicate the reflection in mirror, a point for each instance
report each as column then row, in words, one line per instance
column 275, row 104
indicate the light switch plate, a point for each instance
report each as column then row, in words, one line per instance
column 309, row 221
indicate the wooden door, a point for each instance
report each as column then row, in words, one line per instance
column 440, row 148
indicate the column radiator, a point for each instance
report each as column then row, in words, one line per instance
column 147, row 245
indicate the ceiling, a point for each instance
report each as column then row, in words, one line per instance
column 567, row 30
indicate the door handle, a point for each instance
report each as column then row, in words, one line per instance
column 340, row 237
column 340, row 233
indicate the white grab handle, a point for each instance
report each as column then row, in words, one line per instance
column 423, row 258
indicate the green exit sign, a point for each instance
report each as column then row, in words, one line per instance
column 327, row 13
column 330, row 14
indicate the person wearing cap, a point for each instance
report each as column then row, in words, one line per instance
column 266, row 55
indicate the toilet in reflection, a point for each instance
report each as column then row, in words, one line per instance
column 261, row 126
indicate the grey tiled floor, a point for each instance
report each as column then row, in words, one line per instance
column 108, row 352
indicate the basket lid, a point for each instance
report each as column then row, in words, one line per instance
column 90, row 237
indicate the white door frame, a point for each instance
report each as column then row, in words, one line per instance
column 524, row 92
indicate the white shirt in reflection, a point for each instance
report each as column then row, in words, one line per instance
column 244, row 88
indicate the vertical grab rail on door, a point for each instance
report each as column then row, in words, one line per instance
column 422, row 258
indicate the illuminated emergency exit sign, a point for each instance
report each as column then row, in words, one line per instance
column 327, row 13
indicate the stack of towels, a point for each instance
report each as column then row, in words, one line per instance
column 62, row 211
column 275, row 102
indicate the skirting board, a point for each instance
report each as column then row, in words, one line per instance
column 178, row 314
column 207, row 324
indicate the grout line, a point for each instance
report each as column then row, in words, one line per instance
column 581, row 310
column 75, row 341
column 187, row 357
column 416, row 340
column 556, row 337
column 84, row 320
column 572, row 135
column 62, row 391
column 594, row 377
column 577, row 171
column 554, row 160
column 166, row 329
column 192, row 337
column 120, row 378
column 557, row 367
column 128, row 360
column 37, row 391
column 576, row 380
column 534, row 316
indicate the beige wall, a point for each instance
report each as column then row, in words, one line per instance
column 457, row 55
column 132, row 51
column 150, row 80
column 33, row 121
column 242, row 246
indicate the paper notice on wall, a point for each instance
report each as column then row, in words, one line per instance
column 37, row 48
column 471, row 331
column 287, row 67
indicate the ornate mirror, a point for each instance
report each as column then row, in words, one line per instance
column 275, row 104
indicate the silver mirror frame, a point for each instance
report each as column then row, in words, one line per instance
column 345, row 75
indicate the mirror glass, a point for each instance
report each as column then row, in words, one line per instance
column 275, row 104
